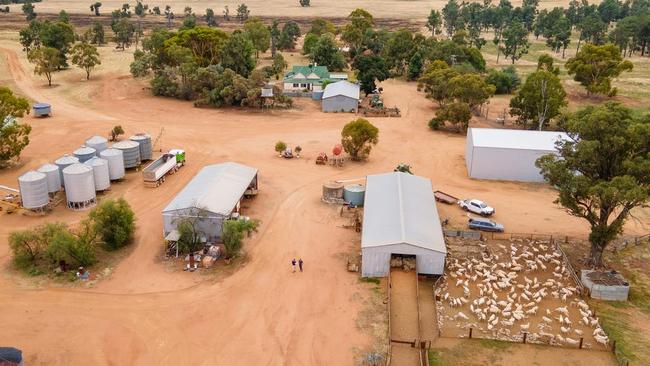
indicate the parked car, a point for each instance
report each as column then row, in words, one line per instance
column 485, row 225
column 476, row 206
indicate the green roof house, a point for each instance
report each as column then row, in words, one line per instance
column 308, row 78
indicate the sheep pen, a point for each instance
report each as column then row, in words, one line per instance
column 508, row 290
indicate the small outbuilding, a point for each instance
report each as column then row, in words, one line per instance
column 401, row 220
column 42, row 110
column 211, row 197
column 341, row 96
column 502, row 154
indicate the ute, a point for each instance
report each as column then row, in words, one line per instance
column 485, row 225
column 154, row 173
column 476, row 206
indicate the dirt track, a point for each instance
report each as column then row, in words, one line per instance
column 263, row 314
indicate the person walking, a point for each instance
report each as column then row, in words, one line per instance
column 293, row 264
column 300, row 264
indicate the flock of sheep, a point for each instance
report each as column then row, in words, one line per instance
column 513, row 288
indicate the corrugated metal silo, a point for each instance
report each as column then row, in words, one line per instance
column 53, row 175
column 115, row 160
column 100, row 173
column 98, row 143
column 33, row 190
column 144, row 139
column 130, row 153
column 64, row 162
column 79, row 186
column 85, row 153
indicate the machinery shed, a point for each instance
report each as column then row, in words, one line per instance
column 401, row 218
column 211, row 197
column 502, row 154
column 341, row 96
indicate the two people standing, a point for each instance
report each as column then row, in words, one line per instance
column 293, row 264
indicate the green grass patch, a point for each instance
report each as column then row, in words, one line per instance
column 494, row 344
column 374, row 280
column 435, row 359
column 617, row 325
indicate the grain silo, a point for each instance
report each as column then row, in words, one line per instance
column 100, row 173
column 79, row 186
column 98, row 143
column 144, row 139
column 130, row 152
column 85, row 153
column 354, row 194
column 115, row 160
column 64, row 162
column 53, row 175
column 33, row 190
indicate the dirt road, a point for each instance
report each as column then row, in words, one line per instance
column 262, row 314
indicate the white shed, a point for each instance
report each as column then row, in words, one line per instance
column 341, row 96
column 502, row 154
column 211, row 197
column 401, row 218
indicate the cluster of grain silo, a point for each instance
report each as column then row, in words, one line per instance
column 115, row 163
column 79, row 186
column 33, row 190
column 144, row 142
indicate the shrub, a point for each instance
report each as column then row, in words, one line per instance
column 434, row 123
column 30, row 246
column 75, row 250
column 505, row 80
column 358, row 137
column 114, row 222
column 280, row 146
column 233, row 233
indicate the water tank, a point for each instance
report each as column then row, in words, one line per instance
column 98, row 143
column 33, row 190
column 79, row 186
column 354, row 194
column 332, row 192
column 53, row 175
column 130, row 152
column 64, row 162
column 144, row 139
column 100, row 173
column 115, row 160
column 85, row 153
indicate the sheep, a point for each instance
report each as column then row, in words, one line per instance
column 547, row 320
column 532, row 311
column 524, row 327
column 461, row 315
column 563, row 310
column 578, row 332
column 571, row 341
column 565, row 330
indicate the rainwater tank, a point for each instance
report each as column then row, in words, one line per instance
column 53, row 175
column 33, row 190
column 332, row 192
column 354, row 194
column 98, row 143
column 64, row 162
column 115, row 160
column 79, row 186
column 85, row 153
column 144, row 139
column 100, row 173
column 130, row 152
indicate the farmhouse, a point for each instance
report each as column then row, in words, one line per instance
column 502, row 154
column 401, row 220
column 341, row 96
column 211, row 197
column 309, row 78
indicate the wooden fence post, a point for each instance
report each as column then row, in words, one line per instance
column 525, row 336
column 614, row 346
column 470, row 332
column 581, row 340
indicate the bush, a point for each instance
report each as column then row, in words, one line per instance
column 505, row 80
column 74, row 250
column 30, row 246
column 233, row 234
column 280, row 146
column 165, row 84
column 114, row 222
column 434, row 123
column 358, row 137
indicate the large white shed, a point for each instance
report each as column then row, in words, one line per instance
column 502, row 154
column 400, row 217
column 211, row 197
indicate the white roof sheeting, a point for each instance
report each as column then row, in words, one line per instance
column 400, row 208
column 516, row 139
column 216, row 188
column 342, row 87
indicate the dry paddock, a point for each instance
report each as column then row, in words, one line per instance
column 508, row 289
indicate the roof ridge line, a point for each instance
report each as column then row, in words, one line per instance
column 401, row 207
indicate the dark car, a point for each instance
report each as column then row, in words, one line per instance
column 485, row 225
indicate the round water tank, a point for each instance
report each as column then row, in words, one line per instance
column 354, row 194
column 85, row 153
column 33, row 190
column 64, row 162
column 130, row 152
column 115, row 160
column 98, row 143
column 79, row 186
column 144, row 139
column 52, row 173
column 100, row 173
column 332, row 191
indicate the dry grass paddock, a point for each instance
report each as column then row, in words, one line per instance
column 503, row 289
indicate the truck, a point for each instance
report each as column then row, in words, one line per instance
column 154, row 173
column 476, row 206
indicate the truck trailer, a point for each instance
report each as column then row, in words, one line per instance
column 154, row 173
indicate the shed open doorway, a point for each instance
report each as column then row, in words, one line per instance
column 406, row 262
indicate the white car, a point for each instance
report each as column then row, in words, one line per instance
column 476, row 206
